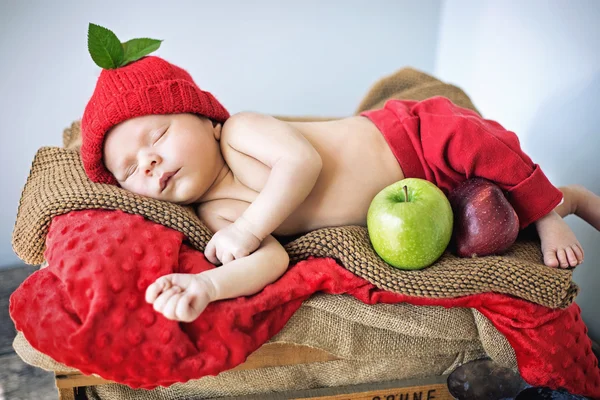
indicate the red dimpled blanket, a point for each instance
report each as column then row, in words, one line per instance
column 87, row 310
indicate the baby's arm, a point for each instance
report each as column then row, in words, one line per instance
column 295, row 166
column 294, row 162
column 249, row 275
column 183, row 297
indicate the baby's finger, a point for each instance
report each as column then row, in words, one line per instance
column 156, row 288
column 169, row 309
column 184, row 311
column 227, row 257
column 182, row 281
column 211, row 252
column 219, row 256
column 161, row 301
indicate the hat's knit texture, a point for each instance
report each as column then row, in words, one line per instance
column 148, row 86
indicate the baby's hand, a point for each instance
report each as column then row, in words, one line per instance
column 180, row 297
column 231, row 243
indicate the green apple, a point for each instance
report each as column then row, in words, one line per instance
column 410, row 223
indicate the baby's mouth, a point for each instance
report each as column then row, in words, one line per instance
column 165, row 178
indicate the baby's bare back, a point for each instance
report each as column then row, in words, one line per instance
column 357, row 164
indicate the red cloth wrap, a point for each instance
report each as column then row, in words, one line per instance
column 437, row 140
column 87, row 310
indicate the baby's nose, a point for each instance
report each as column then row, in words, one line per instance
column 150, row 167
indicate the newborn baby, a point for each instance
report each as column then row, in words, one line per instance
column 151, row 130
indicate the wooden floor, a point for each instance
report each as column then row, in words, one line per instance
column 18, row 381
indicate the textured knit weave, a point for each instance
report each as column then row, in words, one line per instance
column 148, row 86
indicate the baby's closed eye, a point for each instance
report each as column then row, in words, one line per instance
column 158, row 135
column 129, row 171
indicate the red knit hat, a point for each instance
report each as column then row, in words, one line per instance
column 148, row 86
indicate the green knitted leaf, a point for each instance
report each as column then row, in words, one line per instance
column 138, row 48
column 104, row 47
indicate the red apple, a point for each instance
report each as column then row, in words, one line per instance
column 485, row 222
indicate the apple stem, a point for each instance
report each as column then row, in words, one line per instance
column 405, row 193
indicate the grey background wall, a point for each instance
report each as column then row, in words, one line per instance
column 280, row 57
column 533, row 66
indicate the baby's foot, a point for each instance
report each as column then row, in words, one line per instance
column 559, row 244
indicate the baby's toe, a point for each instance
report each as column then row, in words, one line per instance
column 561, row 254
column 578, row 252
column 571, row 257
column 550, row 258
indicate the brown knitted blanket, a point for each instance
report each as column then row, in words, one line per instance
column 57, row 185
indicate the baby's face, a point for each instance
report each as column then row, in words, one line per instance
column 174, row 157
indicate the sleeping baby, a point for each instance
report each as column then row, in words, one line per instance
column 151, row 130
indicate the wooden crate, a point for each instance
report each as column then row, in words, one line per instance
column 71, row 386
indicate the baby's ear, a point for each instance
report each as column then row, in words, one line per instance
column 217, row 126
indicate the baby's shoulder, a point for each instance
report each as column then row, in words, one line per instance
column 245, row 119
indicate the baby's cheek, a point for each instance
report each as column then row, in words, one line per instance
column 183, row 193
column 142, row 188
